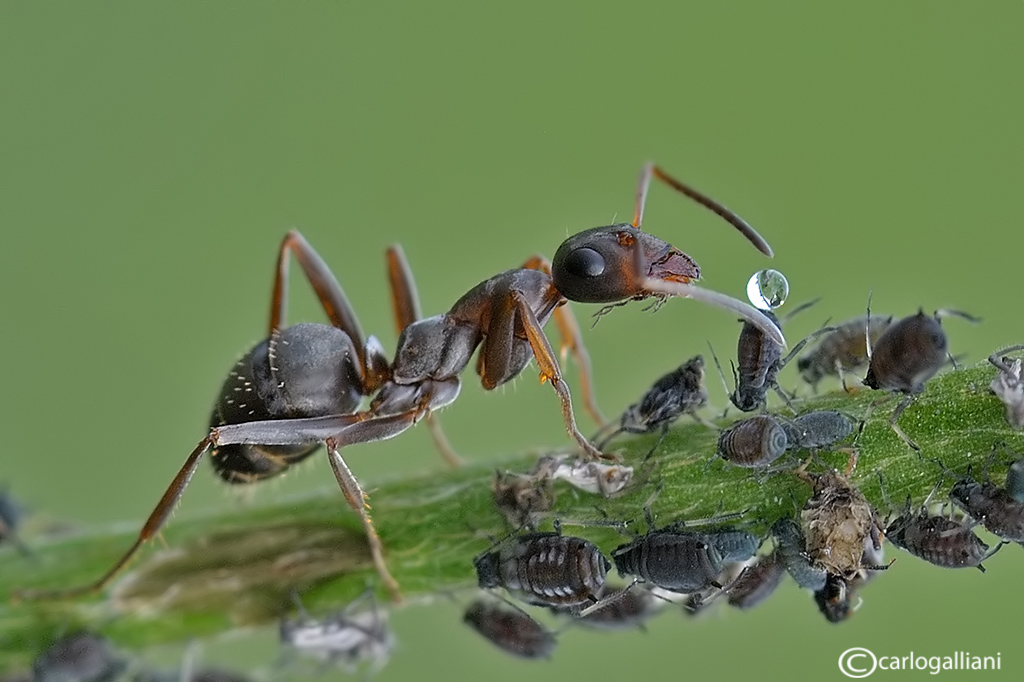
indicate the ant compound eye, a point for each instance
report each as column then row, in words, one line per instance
column 585, row 262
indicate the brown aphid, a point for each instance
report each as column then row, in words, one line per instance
column 994, row 507
column 757, row 582
column 938, row 540
column 753, row 443
column 836, row 522
column 1008, row 385
column 510, row 629
column 547, row 569
column 522, row 498
column 842, row 350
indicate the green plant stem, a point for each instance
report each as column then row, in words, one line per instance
column 231, row 569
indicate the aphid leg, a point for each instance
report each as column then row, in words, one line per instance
column 893, row 422
column 998, row 359
column 721, row 374
column 607, row 601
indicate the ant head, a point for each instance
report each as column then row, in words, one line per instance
column 609, row 264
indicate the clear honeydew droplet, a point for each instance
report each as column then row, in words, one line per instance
column 767, row 289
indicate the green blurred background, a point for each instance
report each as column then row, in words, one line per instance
column 152, row 156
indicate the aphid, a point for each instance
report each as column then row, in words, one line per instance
column 80, row 657
column 994, row 507
column 679, row 392
column 625, row 609
column 842, row 350
column 754, row 442
column 818, row 429
column 759, row 360
column 908, row 353
column 938, row 540
column 679, row 560
column 349, row 639
column 585, row 475
column 510, row 629
column 791, row 548
column 836, row 522
column 757, row 582
column 303, row 385
column 548, row 569
column 523, row 499
column 1008, row 385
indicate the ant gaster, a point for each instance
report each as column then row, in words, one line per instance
column 303, row 385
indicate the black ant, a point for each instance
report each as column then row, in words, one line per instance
column 303, row 385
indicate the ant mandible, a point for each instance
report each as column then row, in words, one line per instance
column 303, row 385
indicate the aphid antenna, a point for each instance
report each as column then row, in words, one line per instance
column 949, row 312
column 588, row 523
column 998, row 358
column 721, row 374
column 799, row 309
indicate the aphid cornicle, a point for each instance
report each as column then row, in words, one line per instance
column 547, row 569
column 753, row 443
column 842, row 350
column 679, row 392
column 1008, row 385
column 302, row 386
column 510, row 629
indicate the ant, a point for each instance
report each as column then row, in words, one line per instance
column 303, row 385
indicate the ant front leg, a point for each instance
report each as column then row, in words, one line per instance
column 572, row 342
column 499, row 346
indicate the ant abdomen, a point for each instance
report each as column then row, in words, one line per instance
column 307, row 370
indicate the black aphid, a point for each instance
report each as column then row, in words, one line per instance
column 510, row 629
column 679, row 560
